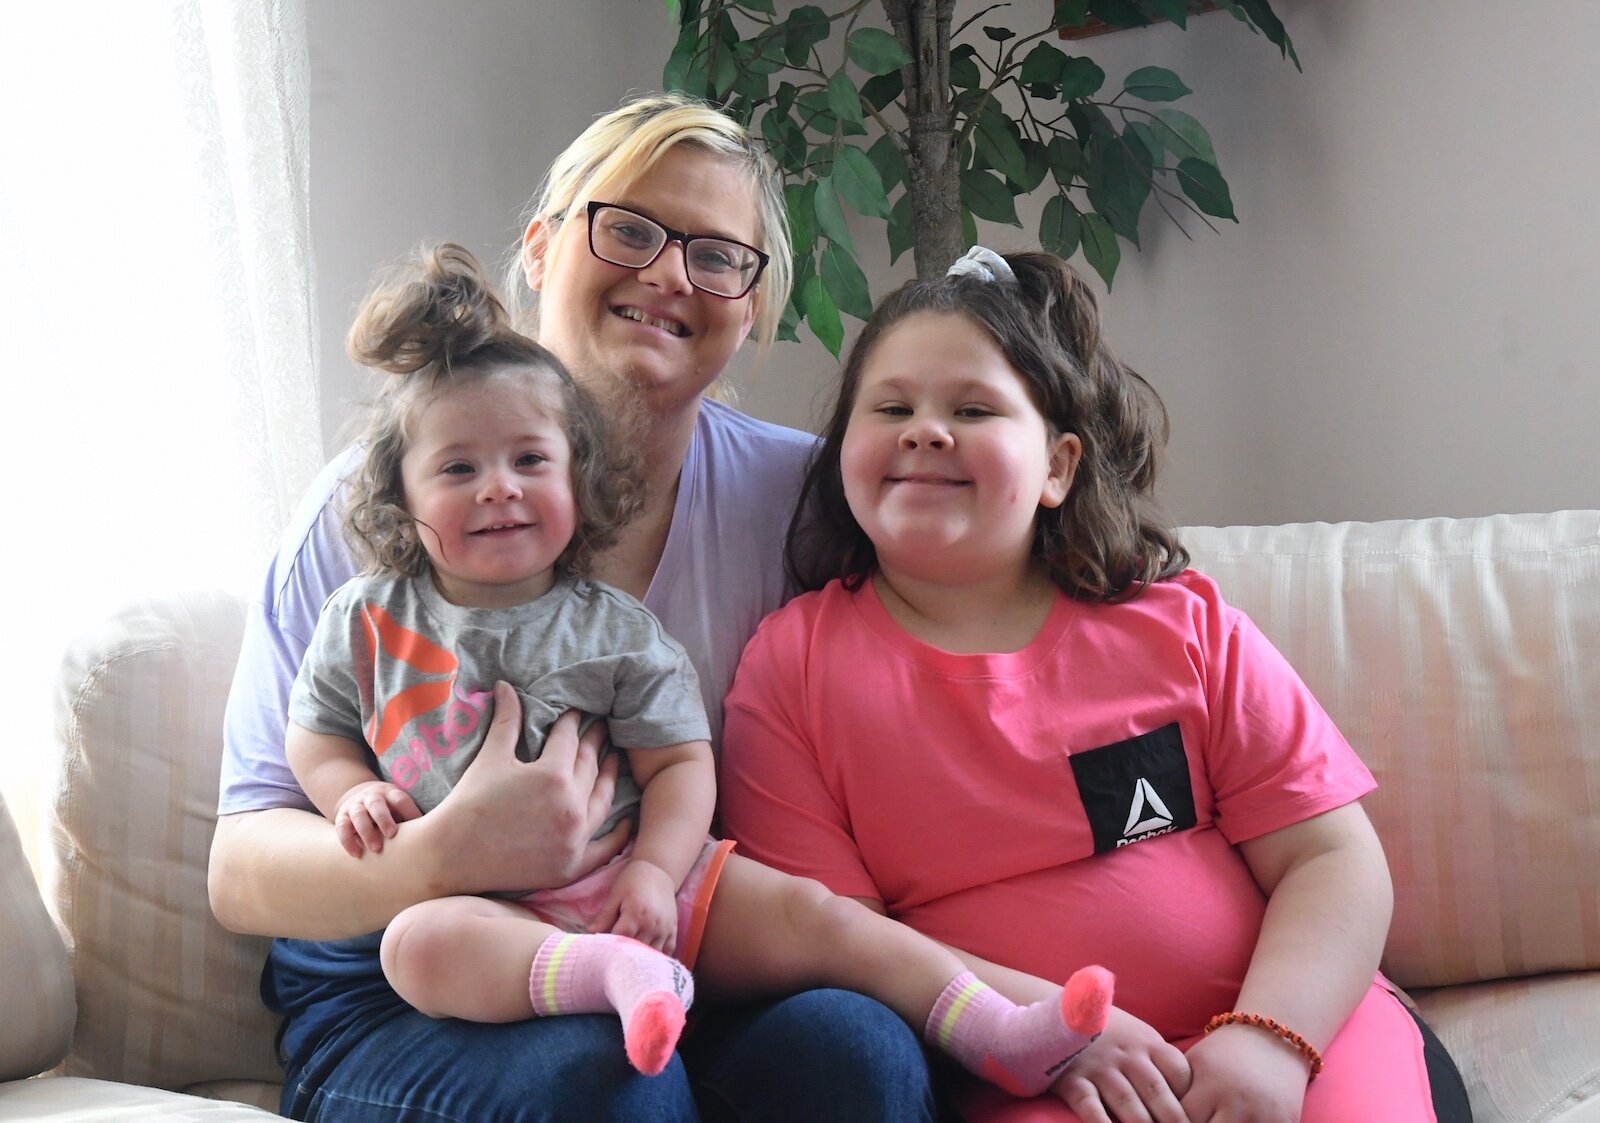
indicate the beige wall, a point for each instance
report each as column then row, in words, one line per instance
column 1402, row 324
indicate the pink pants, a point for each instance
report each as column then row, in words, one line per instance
column 572, row 907
column 1372, row 1070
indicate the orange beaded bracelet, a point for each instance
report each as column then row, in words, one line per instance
column 1233, row 1017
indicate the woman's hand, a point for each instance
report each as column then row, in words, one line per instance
column 1245, row 1075
column 644, row 905
column 370, row 813
column 512, row 824
column 1129, row 1075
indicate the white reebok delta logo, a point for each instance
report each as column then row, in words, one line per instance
column 1148, row 813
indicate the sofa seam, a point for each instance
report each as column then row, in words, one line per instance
column 1589, row 1080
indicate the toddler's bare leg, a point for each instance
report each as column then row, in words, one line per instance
column 491, row 961
column 769, row 933
column 464, row 957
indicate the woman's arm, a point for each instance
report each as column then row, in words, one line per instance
column 1329, row 900
column 281, row 871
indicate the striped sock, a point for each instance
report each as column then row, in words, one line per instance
column 589, row 974
column 1021, row 1049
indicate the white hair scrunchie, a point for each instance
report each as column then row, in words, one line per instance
column 982, row 263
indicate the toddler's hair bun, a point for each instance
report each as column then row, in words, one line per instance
column 437, row 306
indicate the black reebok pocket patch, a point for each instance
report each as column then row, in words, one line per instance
column 1135, row 789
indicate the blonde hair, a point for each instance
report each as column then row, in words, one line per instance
column 433, row 324
column 620, row 148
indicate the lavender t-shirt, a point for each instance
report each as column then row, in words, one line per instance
column 720, row 573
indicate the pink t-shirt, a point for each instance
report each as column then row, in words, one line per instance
column 1077, row 801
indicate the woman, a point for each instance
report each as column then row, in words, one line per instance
column 649, row 330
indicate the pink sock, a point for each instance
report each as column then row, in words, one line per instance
column 1021, row 1049
column 590, row 974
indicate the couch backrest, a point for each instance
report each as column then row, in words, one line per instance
column 166, row 996
column 1461, row 657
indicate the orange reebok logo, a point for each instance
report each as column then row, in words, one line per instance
column 389, row 638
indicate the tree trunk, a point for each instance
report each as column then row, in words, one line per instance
column 933, row 172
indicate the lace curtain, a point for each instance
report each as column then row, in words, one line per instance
column 156, row 317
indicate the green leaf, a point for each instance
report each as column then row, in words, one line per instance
column 830, row 219
column 785, row 141
column 902, row 227
column 1045, row 91
column 844, row 100
column 999, row 34
column 762, row 6
column 1119, row 13
column 1143, row 135
column 1059, row 227
column 1155, row 83
column 766, row 54
column 1262, row 15
column 845, row 282
column 799, row 200
column 886, row 156
column 822, row 314
column 789, row 322
column 969, row 228
column 986, row 195
column 675, row 75
column 858, row 182
column 1043, row 64
column 963, row 70
column 814, row 113
column 724, row 72
column 1206, row 188
column 1080, row 78
column 805, row 28
column 993, row 137
column 883, row 89
column 1176, row 11
column 1071, row 13
column 783, row 100
column 1066, row 160
column 1119, row 184
column 1100, row 247
column 755, row 87
column 1037, row 167
column 876, row 51
column 1182, row 135
column 673, row 12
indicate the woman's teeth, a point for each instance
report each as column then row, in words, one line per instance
column 670, row 326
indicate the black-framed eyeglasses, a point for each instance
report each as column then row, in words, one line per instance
column 719, row 266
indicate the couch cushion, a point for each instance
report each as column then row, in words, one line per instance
column 36, row 1008
column 166, row 997
column 1529, row 1049
column 1461, row 657
column 66, row 1099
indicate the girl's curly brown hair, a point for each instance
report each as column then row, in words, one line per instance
column 1107, row 542
column 432, row 323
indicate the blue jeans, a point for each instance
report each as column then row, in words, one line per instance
column 353, row 1050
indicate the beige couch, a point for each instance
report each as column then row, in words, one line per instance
column 1462, row 658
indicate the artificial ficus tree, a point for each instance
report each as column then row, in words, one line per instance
column 928, row 132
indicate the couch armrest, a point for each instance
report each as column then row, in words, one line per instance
column 166, row 996
column 36, row 1005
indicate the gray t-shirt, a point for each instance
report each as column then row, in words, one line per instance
column 395, row 666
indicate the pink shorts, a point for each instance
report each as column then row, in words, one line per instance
column 1373, row 1069
column 573, row 907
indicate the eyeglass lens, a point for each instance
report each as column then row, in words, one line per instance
column 718, row 266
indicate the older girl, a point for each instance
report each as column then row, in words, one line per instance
column 1073, row 733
